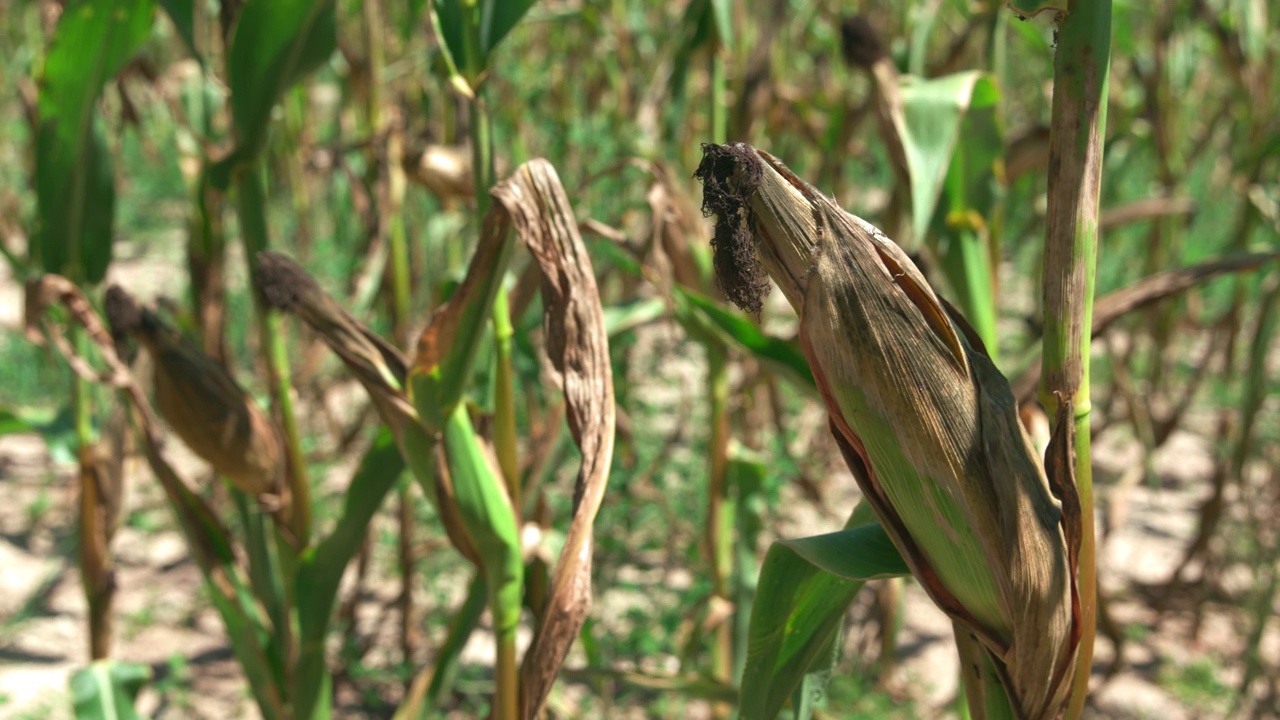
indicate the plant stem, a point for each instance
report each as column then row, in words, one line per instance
column 506, row 695
column 1077, row 131
column 504, row 408
column 251, row 205
column 720, row 509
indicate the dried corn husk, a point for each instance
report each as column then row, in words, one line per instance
column 202, row 402
column 927, row 422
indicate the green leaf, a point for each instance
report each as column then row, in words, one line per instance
column 275, row 44
column 626, row 316
column 799, row 607
column 490, row 521
column 780, row 355
column 75, row 190
column 472, row 30
column 968, row 219
column 861, row 553
column 11, row 422
column 322, row 567
column 932, row 111
column 106, row 690
column 722, row 12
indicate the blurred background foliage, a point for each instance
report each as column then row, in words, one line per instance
column 618, row 96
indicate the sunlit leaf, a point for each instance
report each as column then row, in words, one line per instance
column 932, row 111
column 860, row 553
column 798, row 609
column 274, row 44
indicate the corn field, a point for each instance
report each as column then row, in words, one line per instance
column 709, row 359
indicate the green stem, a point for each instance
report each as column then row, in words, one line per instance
column 720, row 509
column 504, row 401
column 81, row 401
column 1077, row 130
column 251, row 198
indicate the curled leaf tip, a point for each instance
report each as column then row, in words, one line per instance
column 281, row 281
column 730, row 175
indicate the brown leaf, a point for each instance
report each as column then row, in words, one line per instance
column 578, row 347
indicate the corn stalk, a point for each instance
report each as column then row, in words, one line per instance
column 1077, row 130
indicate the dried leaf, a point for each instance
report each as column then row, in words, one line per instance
column 578, row 347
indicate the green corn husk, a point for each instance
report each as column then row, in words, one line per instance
column 925, row 420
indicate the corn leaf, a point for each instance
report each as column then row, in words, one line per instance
column 11, row 422
column 578, row 346
column 798, row 609
column 75, row 186
column 379, row 367
column 862, row 553
column 472, row 30
column 967, row 223
column 929, row 126
column 322, row 567
column 274, row 44
column 625, row 316
column 182, row 14
column 447, row 347
column 106, row 690
column 776, row 353
column 488, row 517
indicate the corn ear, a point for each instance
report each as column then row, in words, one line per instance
column 925, row 420
column 203, row 404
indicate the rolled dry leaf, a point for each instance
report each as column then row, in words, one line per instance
column 203, row 404
column 101, row 488
column 578, row 347
column 921, row 414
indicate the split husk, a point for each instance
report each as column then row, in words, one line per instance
column 925, row 420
